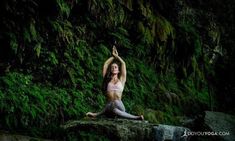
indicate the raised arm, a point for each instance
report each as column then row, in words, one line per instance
column 123, row 67
column 106, row 64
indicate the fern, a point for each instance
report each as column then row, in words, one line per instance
column 163, row 29
column 71, row 73
column 102, row 48
column 127, row 3
column 13, row 42
column 33, row 31
column 26, row 35
column 121, row 36
column 64, row 8
column 52, row 58
column 38, row 49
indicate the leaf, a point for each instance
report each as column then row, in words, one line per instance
column 53, row 58
column 71, row 73
column 38, row 49
column 13, row 43
column 33, row 31
column 26, row 35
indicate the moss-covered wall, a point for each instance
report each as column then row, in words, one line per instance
column 52, row 52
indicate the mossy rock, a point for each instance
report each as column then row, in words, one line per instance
column 111, row 129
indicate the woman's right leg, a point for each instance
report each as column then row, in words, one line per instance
column 126, row 115
column 119, row 104
column 120, row 111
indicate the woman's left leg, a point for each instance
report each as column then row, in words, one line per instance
column 107, row 106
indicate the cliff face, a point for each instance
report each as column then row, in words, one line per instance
column 218, row 18
column 214, row 22
column 179, row 57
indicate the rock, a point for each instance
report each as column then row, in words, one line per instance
column 124, row 129
column 195, row 123
column 167, row 132
column 113, row 129
column 4, row 136
column 221, row 122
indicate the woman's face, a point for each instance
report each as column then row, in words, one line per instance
column 114, row 68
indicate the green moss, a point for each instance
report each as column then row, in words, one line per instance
column 127, row 3
column 163, row 28
column 150, row 115
column 64, row 8
column 86, row 136
column 13, row 43
column 61, row 56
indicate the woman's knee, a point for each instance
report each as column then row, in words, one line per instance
column 119, row 105
column 116, row 101
column 116, row 111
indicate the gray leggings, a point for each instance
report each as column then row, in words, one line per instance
column 116, row 107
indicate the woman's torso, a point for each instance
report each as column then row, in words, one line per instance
column 114, row 90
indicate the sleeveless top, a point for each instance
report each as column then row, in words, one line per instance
column 115, row 87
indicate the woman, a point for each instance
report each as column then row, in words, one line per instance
column 114, row 82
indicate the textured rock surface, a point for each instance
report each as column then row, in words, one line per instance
column 117, row 129
column 221, row 122
column 167, row 132
column 13, row 137
column 126, row 130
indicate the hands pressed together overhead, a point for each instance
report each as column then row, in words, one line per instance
column 115, row 52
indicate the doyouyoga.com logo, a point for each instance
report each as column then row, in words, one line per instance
column 204, row 133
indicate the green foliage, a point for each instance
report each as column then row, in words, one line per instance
column 64, row 8
column 191, row 37
column 52, row 58
column 13, row 43
column 63, row 29
column 148, row 36
column 121, row 36
column 28, row 105
column 158, row 28
column 127, row 3
column 62, row 55
column 170, row 83
column 164, row 28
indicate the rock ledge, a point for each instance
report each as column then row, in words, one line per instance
column 126, row 130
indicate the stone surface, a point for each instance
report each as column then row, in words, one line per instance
column 14, row 137
column 221, row 122
column 167, row 132
column 126, row 130
column 113, row 129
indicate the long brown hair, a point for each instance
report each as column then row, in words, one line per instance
column 108, row 75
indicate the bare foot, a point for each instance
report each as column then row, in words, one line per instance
column 90, row 114
column 141, row 117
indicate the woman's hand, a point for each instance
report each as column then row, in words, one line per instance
column 115, row 52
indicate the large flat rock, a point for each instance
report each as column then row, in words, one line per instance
column 113, row 129
column 125, row 130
